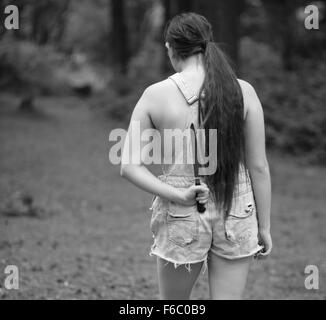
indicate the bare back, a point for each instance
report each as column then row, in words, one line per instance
column 173, row 109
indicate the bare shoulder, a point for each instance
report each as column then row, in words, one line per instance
column 250, row 98
column 159, row 91
column 247, row 89
column 153, row 97
column 158, row 97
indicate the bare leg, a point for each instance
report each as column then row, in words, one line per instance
column 227, row 278
column 176, row 283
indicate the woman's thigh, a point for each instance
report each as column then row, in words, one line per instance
column 176, row 283
column 227, row 278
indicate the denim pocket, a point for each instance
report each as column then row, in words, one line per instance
column 241, row 221
column 182, row 224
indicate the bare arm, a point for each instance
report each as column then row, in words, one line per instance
column 256, row 160
column 133, row 168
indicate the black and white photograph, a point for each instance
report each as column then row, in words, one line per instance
column 162, row 150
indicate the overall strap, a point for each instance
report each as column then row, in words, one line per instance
column 188, row 94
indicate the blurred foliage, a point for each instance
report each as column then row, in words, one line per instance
column 114, row 48
column 27, row 65
column 293, row 101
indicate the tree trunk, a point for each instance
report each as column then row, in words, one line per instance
column 185, row 5
column 167, row 15
column 119, row 41
column 281, row 17
column 61, row 22
column 2, row 18
column 224, row 15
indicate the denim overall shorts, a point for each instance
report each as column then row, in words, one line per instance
column 182, row 235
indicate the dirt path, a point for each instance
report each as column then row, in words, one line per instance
column 93, row 239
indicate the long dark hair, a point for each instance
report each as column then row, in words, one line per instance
column 222, row 105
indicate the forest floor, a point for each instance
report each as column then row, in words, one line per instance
column 92, row 238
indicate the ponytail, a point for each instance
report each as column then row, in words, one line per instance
column 222, row 109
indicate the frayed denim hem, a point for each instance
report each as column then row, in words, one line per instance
column 177, row 264
column 252, row 253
